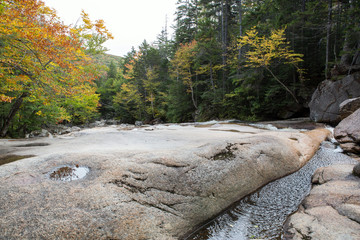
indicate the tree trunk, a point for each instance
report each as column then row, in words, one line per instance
column 212, row 79
column 193, row 97
column 196, row 17
column 351, row 44
column 346, row 57
column 14, row 109
column 282, row 84
column 192, row 90
column 224, row 40
column 303, row 8
column 223, row 43
column 328, row 32
column 240, row 23
column 303, row 5
column 240, row 34
column 152, row 105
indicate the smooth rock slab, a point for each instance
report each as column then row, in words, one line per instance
column 157, row 184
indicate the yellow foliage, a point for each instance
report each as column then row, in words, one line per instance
column 45, row 59
column 182, row 63
column 263, row 50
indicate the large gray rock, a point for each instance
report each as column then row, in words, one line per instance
column 347, row 133
column 349, row 106
column 40, row 133
column 142, row 184
column 324, row 104
column 332, row 210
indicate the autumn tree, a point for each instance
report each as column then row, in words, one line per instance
column 44, row 61
column 182, row 68
column 264, row 50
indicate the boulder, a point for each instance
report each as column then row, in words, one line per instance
column 59, row 129
column 347, row 133
column 156, row 121
column 332, row 209
column 40, row 133
column 139, row 123
column 112, row 122
column 356, row 170
column 158, row 184
column 349, row 106
column 100, row 123
column 75, row 129
column 324, row 104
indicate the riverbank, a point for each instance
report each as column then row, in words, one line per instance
column 262, row 214
column 331, row 210
column 155, row 182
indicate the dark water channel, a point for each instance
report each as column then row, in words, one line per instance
column 262, row 214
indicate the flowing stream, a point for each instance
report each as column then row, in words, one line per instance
column 262, row 214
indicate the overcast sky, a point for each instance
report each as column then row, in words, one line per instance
column 130, row 21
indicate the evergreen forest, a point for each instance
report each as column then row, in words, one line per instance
column 227, row 59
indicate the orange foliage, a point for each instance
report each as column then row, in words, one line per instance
column 40, row 54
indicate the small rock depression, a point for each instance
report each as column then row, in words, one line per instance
column 69, row 173
column 225, row 154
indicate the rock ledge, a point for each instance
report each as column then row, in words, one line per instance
column 142, row 184
column 332, row 210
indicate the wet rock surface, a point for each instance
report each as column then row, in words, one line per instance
column 8, row 158
column 261, row 215
column 69, row 173
column 347, row 133
column 348, row 107
column 332, row 210
column 142, row 184
column 296, row 123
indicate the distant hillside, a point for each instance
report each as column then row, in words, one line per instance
column 105, row 59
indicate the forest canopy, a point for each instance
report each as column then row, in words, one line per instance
column 241, row 59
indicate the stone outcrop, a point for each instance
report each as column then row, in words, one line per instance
column 332, row 210
column 347, row 133
column 356, row 170
column 349, row 106
column 324, row 104
column 51, row 130
column 39, row 133
column 157, row 184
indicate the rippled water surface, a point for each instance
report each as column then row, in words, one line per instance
column 262, row 214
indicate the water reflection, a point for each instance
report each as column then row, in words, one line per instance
column 262, row 214
column 4, row 159
column 69, row 173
